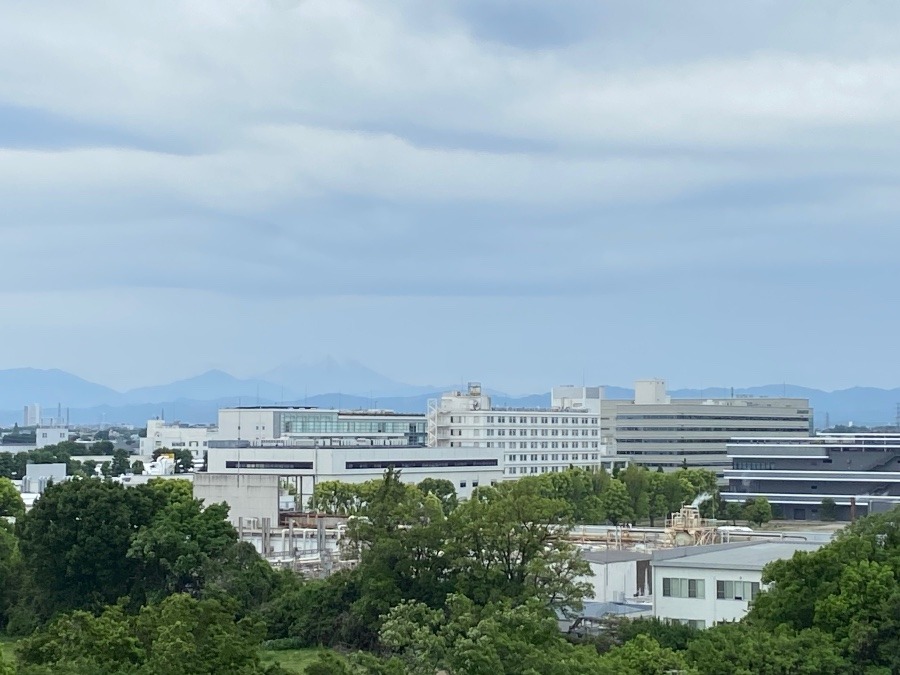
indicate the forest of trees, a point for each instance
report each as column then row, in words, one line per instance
column 102, row 579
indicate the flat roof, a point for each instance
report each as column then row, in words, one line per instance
column 753, row 556
column 375, row 412
column 614, row 556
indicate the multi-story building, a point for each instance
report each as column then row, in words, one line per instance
column 532, row 440
column 860, row 472
column 705, row 585
column 31, row 415
column 655, row 430
column 177, row 437
column 324, row 427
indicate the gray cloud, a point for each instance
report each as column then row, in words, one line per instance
column 514, row 166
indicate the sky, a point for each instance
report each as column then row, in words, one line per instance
column 518, row 192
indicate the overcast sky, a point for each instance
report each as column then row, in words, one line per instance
column 518, row 192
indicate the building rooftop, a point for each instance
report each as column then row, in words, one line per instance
column 309, row 408
column 615, row 556
column 751, row 556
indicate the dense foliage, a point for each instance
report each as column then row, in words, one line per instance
column 143, row 580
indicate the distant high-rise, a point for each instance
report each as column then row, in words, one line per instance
column 32, row 415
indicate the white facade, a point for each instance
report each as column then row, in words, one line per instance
column 293, row 425
column 618, row 576
column 532, row 440
column 705, row 585
column 176, row 437
column 466, row 468
column 32, row 415
column 45, row 436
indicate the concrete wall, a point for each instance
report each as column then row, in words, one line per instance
column 248, row 496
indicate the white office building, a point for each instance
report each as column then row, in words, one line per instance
column 658, row 431
column 532, row 440
column 291, row 425
column 176, row 437
column 705, row 585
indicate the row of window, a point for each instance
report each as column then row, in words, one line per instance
column 714, row 418
column 503, row 419
column 705, row 429
column 675, row 587
column 554, row 457
column 691, row 452
column 543, row 444
column 757, row 466
column 533, row 432
column 524, row 470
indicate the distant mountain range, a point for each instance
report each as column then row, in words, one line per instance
column 196, row 399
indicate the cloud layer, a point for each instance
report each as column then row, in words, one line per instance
column 519, row 176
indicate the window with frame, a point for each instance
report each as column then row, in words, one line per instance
column 675, row 587
column 736, row 590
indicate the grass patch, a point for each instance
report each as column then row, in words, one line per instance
column 294, row 660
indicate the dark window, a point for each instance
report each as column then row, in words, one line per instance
column 420, row 463
column 267, row 465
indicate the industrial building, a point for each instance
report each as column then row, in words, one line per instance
column 860, row 472
column 657, row 431
column 704, row 585
column 302, row 468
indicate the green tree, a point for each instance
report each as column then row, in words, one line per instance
column 616, row 503
column 442, row 489
column 74, row 542
column 638, row 483
column 758, row 510
column 506, row 544
column 120, row 463
column 743, row 649
column 176, row 547
column 848, row 589
column 642, row 655
column 179, row 636
column 336, row 497
column 733, row 511
column 137, row 467
column 497, row 638
column 828, row 509
column 11, row 503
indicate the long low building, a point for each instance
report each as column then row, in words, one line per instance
column 303, row 467
column 860, row 472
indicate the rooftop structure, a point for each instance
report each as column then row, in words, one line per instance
column 860, row 472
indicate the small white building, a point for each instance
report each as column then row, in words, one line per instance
column 705, row 585
column 44, row 436
column 176, row 437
